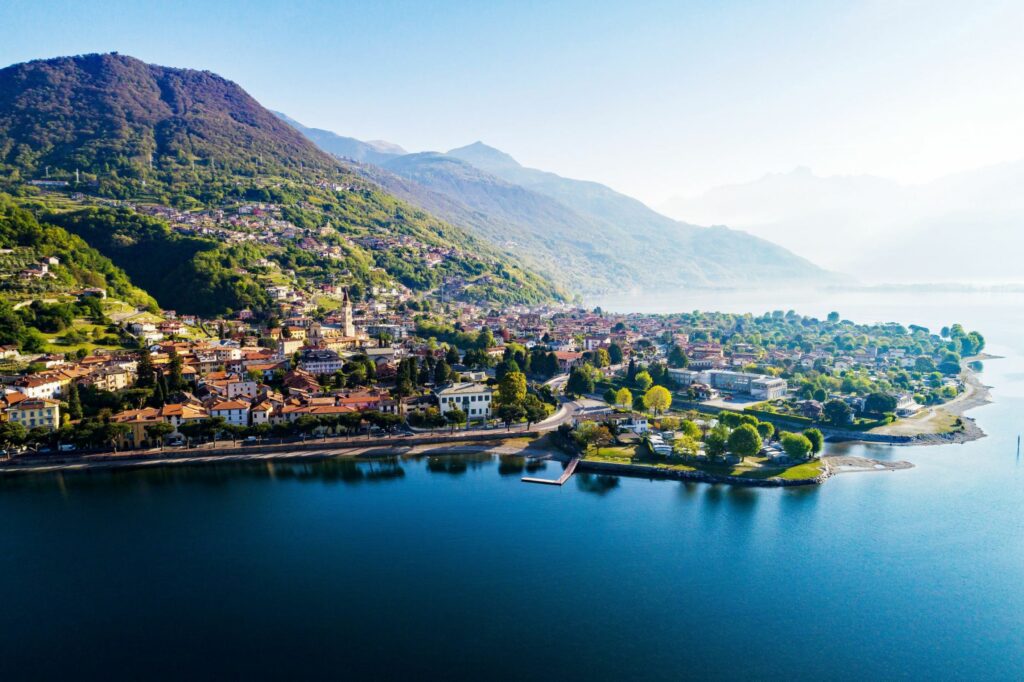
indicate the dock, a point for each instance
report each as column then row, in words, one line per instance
column 566, row 475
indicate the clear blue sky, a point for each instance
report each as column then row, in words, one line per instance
column 655, row 99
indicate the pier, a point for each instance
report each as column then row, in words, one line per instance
column 566, row 475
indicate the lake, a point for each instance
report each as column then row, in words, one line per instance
column 453, row 568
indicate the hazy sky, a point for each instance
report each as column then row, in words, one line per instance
column 654, row 99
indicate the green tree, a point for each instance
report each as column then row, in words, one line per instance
column 796, row 445
column 580, row 382
column 745, row 441
column 455, row 417
column 766, row 430
column 158, row 431
column 512, row 389
column 615, row 354
column 716, row 443
column 643, row 380
column 511, row 413
column 535, row 410
column 657, row 399
column 838, row 413
column 677, row 357
column 623, row 398
column 816, row 439
column 879, row 403
column 74, row 402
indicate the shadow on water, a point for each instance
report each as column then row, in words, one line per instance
column 594, row 483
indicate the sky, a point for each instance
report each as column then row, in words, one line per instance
column 654, row 99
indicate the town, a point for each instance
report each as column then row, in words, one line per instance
column 394, row 362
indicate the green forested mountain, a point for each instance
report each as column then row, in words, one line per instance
column 78, row 264
column 158, row 136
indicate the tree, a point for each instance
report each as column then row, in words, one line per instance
column 690, row 428
column 833, row 317
column 74, row 402
column 113, row 433
column 643, row 380
column 12, row 434
column 677, row 357
column 175, row 378
column 602, row 438
column 879, row 403
column 192, row 430
column 512, row 389
column 838, row 413
column 609, row 395
column 511, row 413
column 535, row 410
column 455, row 417
column 451, row 356
column 816, row 439
column 623, row 398
column 745, row 441
column 581, row 382
column 716, row 443
column 157, row 431
column 796, row 445
column 442, row 373
column 213, row 426
column 766, row 430
column 658, row 399
column 145, row 369
column 615, row 354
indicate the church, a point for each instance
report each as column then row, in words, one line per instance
column 341, row 334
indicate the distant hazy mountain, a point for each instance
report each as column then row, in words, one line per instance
column 580, row 233
column 374, row 151
column 878, row 229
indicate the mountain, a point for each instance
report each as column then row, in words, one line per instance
column 888, row 232
column 580, row 234
column 103, row 111
column 374, row 151
column 593, row 234
column 190, row 148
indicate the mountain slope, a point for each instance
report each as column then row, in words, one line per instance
column 198, row 144
column 582, row 231
column 346, row 147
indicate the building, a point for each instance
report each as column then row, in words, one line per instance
column 36, row 412
column 40, row 386
column 473, row 399
column 757, row 386
column 319, row 362
column 234, row 412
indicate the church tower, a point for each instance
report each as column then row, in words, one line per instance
column 347, row 325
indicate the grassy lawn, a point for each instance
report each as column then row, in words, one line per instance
column 753, row 467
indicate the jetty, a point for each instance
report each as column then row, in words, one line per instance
column 566, row 475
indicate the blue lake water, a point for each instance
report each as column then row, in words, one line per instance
column 454, row 568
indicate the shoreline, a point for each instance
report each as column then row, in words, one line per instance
column 975, row 394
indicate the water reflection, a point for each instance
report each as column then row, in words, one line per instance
column 338, row 470
column 511, row 465
column 596, row 483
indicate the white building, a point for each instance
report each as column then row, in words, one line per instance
column 234, row 412
column 473, row 399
